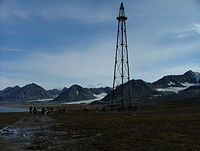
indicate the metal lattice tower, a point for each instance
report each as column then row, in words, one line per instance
column 121, row 67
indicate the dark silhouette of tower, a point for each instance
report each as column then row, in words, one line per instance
column 121, row 67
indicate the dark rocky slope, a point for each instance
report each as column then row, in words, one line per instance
column 26, row 93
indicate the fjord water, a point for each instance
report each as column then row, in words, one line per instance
column 12, row 109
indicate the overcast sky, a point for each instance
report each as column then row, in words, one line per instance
column 60, row 43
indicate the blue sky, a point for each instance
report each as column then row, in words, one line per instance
column 60, row 43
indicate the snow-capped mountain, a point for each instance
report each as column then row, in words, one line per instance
column 35, row 93
column 139, row 90
column 78, row 93
column 170, row 87
column 176, row 83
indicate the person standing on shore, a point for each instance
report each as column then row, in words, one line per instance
column 34, row 111
column 30, row 110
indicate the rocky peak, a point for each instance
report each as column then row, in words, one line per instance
column 191, row 74
column 32, row 85
column 74, row 93
column 64, row 89
column 188, row 77
column 75, row 86
column 29, row 92
column 16, row 87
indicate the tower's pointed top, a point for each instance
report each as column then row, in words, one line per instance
column 122, row 5
column 121, row 13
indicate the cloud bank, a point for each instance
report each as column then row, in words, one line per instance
column 57, row 44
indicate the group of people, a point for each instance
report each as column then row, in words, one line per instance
column 135, row 108
column 117, row 108
column 46, row 110
column 32, row 110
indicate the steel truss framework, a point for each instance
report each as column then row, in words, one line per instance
column 121, row 68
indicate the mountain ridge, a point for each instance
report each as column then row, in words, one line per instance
column 166, row 87
column 34, row 92
column 78, row 93
column 28, row 92
column 177, row 80
column 169, row 87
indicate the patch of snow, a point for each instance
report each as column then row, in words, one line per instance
column 41, row 100
column 54, row 96
column 157, row 95
column 186, row 84
column 172, row 89
column 98, row 97
column 176, row 89
column 171, row 83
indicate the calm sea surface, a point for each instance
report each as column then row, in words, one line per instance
column 10, row 109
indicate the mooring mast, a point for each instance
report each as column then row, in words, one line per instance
column 121, row 67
